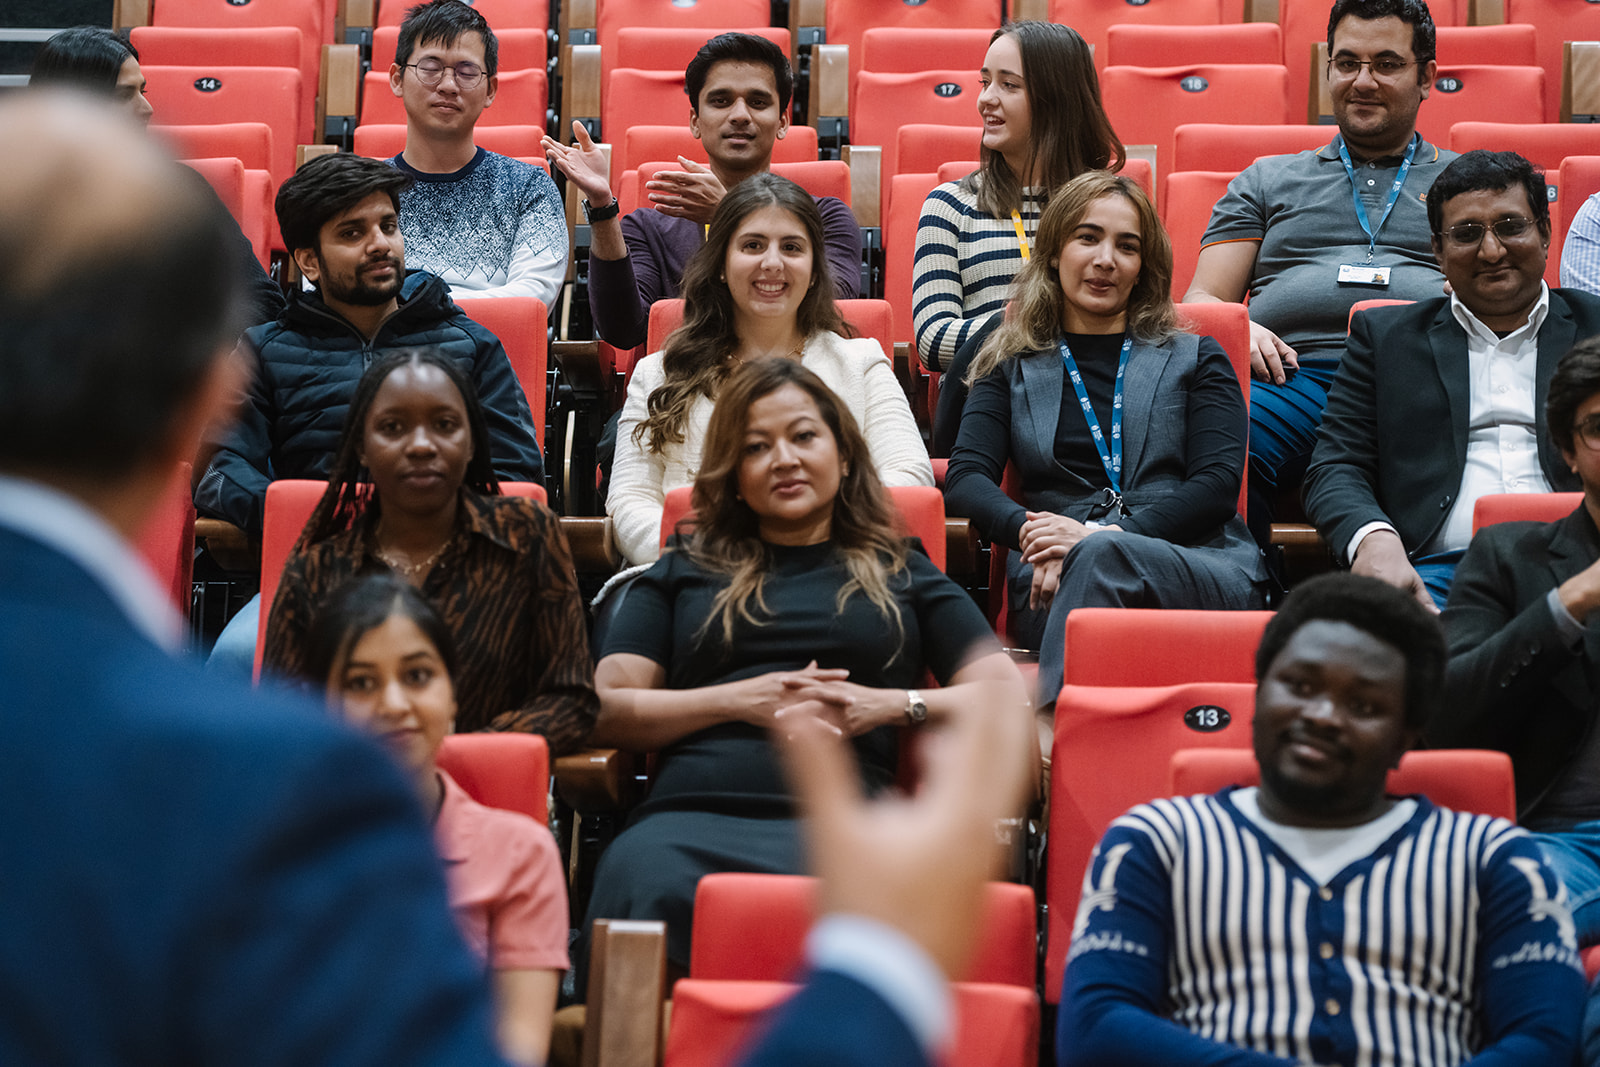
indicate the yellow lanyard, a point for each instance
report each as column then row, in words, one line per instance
column 1022, row 238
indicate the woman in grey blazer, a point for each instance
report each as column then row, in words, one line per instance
column 1126, row 435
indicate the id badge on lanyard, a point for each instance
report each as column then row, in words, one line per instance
column 1373, row 274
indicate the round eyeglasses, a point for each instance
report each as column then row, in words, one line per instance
column 1470, row 234
column 430, row 72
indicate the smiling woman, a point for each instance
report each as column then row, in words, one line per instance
column 794, row 597
column 412, row 493
column 760, row 286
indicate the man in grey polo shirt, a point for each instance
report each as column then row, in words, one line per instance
column 1306, row 236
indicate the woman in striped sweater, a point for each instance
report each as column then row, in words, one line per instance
column 1043, row 125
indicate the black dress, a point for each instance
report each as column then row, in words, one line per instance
column 719, row 801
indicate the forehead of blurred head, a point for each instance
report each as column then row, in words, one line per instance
column 113, row 252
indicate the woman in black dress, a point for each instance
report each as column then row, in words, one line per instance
column 794, row 597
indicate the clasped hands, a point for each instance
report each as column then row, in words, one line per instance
column 778, row 699
column 1045, row 541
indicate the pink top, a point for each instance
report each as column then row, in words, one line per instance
column 506, row 888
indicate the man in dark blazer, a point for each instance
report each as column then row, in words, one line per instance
column 1524, row 649
column 1441, row 401
column 189, row 872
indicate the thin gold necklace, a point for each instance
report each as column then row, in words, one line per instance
column 411, row 570
column 793, row 353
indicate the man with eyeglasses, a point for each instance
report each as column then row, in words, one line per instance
column 1523, row 627
column 1306, row 236
column 1440, row 402
column 487, row 224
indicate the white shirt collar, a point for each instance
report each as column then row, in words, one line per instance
column 1474, row 326
column 80, row 534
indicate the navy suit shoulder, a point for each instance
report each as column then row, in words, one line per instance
column 839, row 1022
column 194, row 873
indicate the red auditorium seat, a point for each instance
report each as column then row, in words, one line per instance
column 1481, row 94
column 1555, row 22
column 1147, row 104
column 266, row 46
column 1186, row 211
column 203, row 95
column 167, row 541
column 247, row 195
column 1219, row 146
column 503, row 770
column 921, row 148
column 520, row 100
column 748, row 942
column 502, row 14
column 248, row 142
column 1094, row 19
column 1463, row 779
column 882, row 101
column 712, row 16
column 1112, row 749
column 289, row 503
column 226, row 178
column 520, row 323
column 1523, row 507
column 907, row 193
column 1111, row 646
column 1511, row 44
column 1580, row 179
column 1140, row 45
column 847, row 22
column 381, row 140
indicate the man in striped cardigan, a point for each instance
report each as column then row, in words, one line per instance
column 1316, row 919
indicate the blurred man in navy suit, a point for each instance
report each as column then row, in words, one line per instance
column 189, row 873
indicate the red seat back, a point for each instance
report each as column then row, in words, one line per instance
column 520, row 323
column 922, row 148
column 711, row 16
column 1223, row 146
column 167, row 541
column 881, row 102
column 202, row 95
column 1464, row 779
column 1481, row 94
column 1141, row 45
column 1186, row 210
column 263, row 46
column 1523, row 507
column 1112, row 748
column 248, row 142
column 909, row 191
column 1229, row 325
column 1094, row 19
column 1111, row 646
column 226, row 178
column 1555, row 22
column 501, row 770
column 849, row 21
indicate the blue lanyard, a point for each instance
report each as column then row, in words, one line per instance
column 1394, row 190
column 1110, row 459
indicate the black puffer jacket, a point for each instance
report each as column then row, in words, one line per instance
column 307, row 364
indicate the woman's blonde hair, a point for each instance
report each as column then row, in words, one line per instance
column 1069, row 133
column 1034, row 314
column 694, row 359
column 727, row 540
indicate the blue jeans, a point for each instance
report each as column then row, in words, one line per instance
column 1575, row 854
column 1437, row 572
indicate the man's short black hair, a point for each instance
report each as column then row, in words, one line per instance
column 1377, row 608
column 1413, row 13
column 327, row 185
column 1482, row 169
column 738, row 48
column 119, row 290
column 89, row 57
column 445, row 21
column 1577, row 378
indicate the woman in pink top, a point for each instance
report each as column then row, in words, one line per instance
column 386, row 658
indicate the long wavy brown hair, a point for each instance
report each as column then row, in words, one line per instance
column 1070, row 131
column 1033, row 317
column 865, row 525
column 694, row 358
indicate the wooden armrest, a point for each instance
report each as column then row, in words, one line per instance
column 594, row 550
column 339, row 88
column 595, row 779
column 305, row 152
column 1038, row 10
column 130, row 13
column 580, row 362
column 1321, row 105
column 580, row 86
column 228, row 544
column 358, row 13
column 1261, row 11
column 802, row 14
column 1487, row 12
column 1295, row 534
column 961, row 549
column 830, row 81
column 866, row 182
column 627, row 983
column 577, row 15
column 1580, row 79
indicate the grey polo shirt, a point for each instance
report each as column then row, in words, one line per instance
column 1299, row 207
